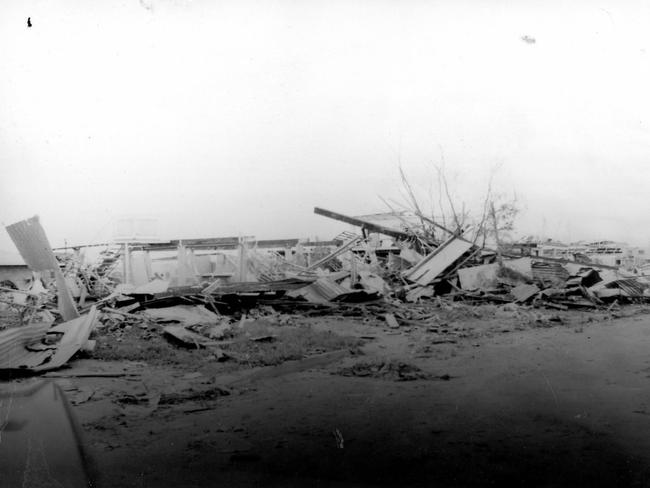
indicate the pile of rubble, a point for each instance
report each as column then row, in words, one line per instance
column 198, row 305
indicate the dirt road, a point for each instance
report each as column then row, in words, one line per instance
column 554, row 406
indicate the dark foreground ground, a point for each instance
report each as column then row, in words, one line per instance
column 504, row 401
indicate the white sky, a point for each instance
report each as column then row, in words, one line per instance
column 238, row 117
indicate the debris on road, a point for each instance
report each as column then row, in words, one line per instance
column 387, row 370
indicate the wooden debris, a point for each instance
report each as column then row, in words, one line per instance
column 433, row 265
column 391, row 321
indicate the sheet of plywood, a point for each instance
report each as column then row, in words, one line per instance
column 479, row 277
column 427, row 270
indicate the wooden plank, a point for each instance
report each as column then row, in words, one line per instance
column 438, row 261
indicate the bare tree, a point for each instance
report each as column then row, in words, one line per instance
column 490, row 223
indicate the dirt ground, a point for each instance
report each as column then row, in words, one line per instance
column 495, row 397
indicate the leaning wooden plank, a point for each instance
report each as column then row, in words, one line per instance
column 33, row 245
column 469, row 256
column 438, row 261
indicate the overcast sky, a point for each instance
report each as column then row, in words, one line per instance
column 228, row 118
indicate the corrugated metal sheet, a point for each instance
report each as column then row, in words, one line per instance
column 32, row 244
column 31, row 241
column 438, row 261
column 23, row 347
column 75, row 336
column 14, row 343
column 321, row 291
column 325, row 290
column 630, row 286
column 549, row 272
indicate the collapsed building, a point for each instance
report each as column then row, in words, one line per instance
column 196, row 287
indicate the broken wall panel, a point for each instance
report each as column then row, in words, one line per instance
column 484, row 276
column 438, row 261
